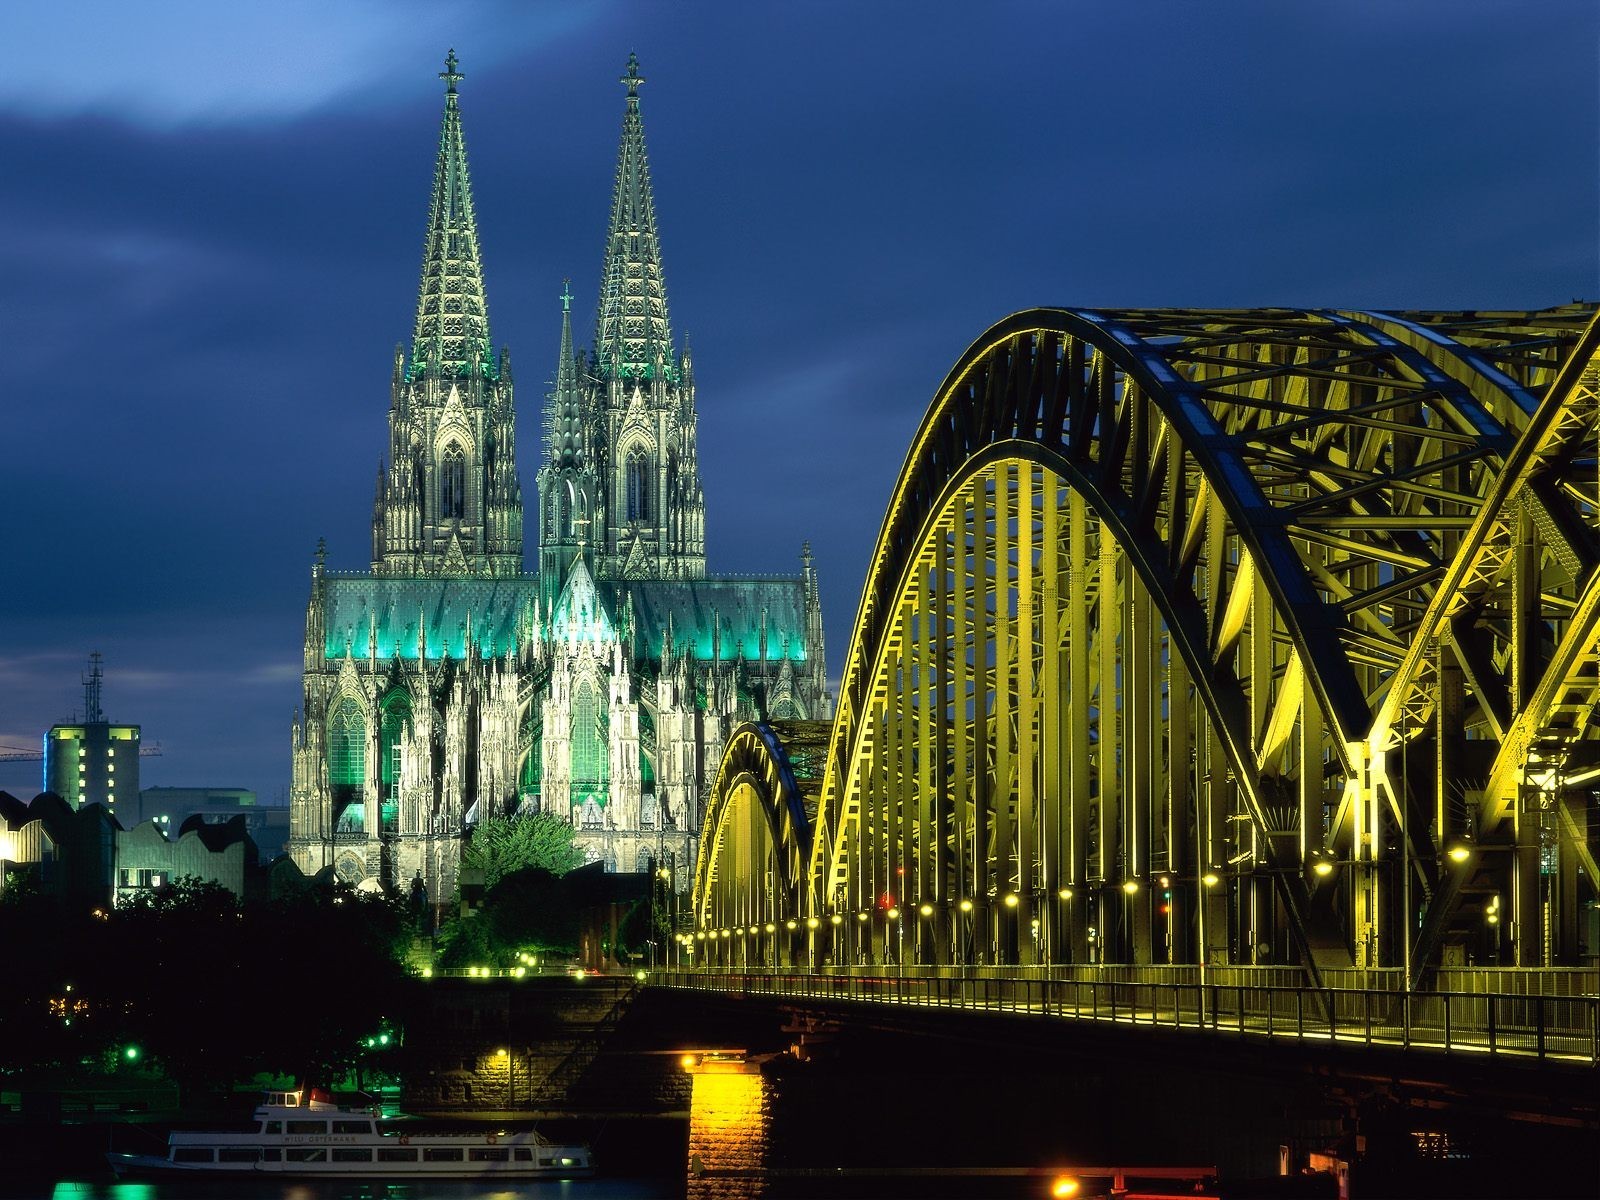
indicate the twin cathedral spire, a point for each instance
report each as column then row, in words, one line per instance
column 619, row 484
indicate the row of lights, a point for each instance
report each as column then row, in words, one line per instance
column 1010, row 900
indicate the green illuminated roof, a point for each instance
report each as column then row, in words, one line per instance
column 500, row 611
column 736, row 605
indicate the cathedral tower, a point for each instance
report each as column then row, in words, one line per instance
column 569, row 487
column 445, row 686
column 651, row 523
column 449, row 500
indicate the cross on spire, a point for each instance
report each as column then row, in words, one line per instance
column 632, row 79
column 450, row 75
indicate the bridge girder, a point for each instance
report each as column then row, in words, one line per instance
column 1168, row 594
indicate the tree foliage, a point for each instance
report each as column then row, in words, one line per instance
column 527, row 910
column 211, row 991
column 501, row 846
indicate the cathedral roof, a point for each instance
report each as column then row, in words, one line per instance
column 633, row 328
column 580, row 612
column 452, row 327
column 389, row 608
column 383, row 612
column 726, row 614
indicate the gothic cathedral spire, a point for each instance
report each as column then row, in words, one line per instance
column 567, row 482
column 632, row 334
column 452, row 327
column 649, row 507
column 449, row 501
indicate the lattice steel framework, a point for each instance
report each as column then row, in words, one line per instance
column 1219, row 636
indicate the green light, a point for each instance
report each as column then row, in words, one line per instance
column 131, row 1053
column 383, row 1039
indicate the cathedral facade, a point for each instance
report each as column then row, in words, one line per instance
column 447, row 684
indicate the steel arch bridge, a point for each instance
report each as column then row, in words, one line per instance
column 1219, row 637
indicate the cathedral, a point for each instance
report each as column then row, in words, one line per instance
column 447, row 683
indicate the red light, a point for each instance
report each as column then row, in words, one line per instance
column 1165, row 909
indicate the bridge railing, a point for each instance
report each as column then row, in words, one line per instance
column 1555, row 1028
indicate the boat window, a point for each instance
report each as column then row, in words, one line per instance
column 351, row 1154
column 489, row 1154
column 237, row 1154
column 306, row 1154
column 569, row 1162
column 396, row 1154
column 352, row 1126
column 441, row 1154
column 306, row 1126
column 522, row 1155
column 272, row 1127
column 192, row 1154
column 547, row 1162
column 270, row 1154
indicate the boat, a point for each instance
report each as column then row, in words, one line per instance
column 305, row 1135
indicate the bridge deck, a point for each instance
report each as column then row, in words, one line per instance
column 1557, row 1029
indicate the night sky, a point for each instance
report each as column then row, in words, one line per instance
column 211, row 223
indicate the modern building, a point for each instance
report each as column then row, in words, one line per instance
column 171, row 807
column 93, row 761
column 73, row 851
column 150, row 857
column 446, row 684
column 84, row 855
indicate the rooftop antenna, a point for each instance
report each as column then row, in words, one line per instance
column 91, row 692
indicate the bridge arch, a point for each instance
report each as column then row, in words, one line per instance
column 753, row 842
column 1134, row 674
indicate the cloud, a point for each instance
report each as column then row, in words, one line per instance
column 200, row 62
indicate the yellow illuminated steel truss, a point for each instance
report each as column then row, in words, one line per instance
column 1208, row 636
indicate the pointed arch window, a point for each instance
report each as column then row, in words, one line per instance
column 453, row 483
column 347, row 761
column 591, row 757
column 638, row 486
column 392, row 731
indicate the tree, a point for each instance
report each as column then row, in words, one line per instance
column 503, row 845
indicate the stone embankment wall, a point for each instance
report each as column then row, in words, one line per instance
column 540, row 1044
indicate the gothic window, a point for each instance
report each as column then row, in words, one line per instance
column 564, row 509
column 591, row 758
column 638, row 472
column 453, row 483
column 395, row 725
column 347, row 749
column 532, row 739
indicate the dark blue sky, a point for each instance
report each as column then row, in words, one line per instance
column 211, row 229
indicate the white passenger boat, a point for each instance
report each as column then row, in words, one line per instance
column 308, row 1136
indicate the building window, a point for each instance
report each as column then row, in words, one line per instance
column 638, row 472
column 591, row 760
column 347, row 745
column 453, row 483
column 396, row 723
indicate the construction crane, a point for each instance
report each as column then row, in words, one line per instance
column 22, row 754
